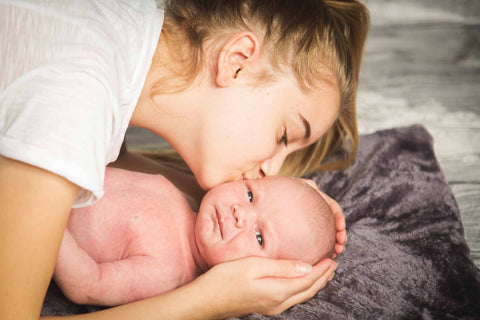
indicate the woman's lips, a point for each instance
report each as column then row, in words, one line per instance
column 220, row 222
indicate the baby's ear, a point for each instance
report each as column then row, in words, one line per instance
column 239, row 53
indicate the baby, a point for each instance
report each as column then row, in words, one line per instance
column 142, row 238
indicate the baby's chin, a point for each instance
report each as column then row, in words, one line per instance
column 207, row 254
column 210, row 255
column 203, row 236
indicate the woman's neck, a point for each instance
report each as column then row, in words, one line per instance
column 165, row 110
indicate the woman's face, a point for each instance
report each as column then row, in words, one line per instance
column 248, row 131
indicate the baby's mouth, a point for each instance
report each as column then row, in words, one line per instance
column 220, row 223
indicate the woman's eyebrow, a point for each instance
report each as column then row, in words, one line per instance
column 306, row 124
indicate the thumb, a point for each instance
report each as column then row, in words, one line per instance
column 278, row 268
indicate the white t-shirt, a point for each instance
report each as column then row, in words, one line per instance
column 71, row 73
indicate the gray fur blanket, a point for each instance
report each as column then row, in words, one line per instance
column 406, row 256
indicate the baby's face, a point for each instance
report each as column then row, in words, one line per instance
column 268, row 217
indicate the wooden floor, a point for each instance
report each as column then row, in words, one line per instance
column 422, row 65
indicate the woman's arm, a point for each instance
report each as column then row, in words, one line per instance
column 34, row 209
column 230, row 289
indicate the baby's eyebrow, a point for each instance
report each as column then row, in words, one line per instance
column 247, row 186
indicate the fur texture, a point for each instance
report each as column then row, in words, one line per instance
column 406, row 256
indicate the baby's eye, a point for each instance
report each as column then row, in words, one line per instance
column 259, row 237
column 249, row 195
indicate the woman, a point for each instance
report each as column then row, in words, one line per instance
column 234, row 87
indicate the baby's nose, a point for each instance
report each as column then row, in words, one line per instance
column 239, row 215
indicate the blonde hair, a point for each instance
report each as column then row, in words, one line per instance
column 305, row 37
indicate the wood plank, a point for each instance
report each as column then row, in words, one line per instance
column 422, row 65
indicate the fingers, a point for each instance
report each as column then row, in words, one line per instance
column 267, row 286
column 322, row 270
column 336, row 210
column 340, row 224
column 275, row 268
column 341, row 236
column 309, row 291
column 334, row 206
column 339, row 248
column 340, row 245
column 311, row 183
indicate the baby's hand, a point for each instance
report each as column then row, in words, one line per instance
column 339, row 219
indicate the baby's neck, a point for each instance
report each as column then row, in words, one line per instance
column 199, row 261
column 194, row 263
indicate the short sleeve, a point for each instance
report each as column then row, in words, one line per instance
column 60, row 118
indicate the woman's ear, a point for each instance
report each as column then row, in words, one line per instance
column 239, row 53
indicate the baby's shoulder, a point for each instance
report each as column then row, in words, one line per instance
column 138, row 186
column 143, row 197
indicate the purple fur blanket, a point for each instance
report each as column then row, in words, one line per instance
column 406, row 256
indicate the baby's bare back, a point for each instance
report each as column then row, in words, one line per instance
column 133, row 239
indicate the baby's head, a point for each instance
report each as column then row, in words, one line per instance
column 276, row 217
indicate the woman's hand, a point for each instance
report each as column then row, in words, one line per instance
column 339, row 219
column 261, row 285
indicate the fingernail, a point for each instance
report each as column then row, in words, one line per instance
column 304, row 268
column 331, row 277
column 334, row 265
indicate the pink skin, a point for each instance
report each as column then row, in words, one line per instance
column 142, row 238
column 135, row 242
column 227, row 126
column 269, row 217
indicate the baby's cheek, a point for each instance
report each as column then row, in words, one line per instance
column 237, row 249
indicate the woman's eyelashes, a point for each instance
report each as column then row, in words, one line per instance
column 259, row 237
column 284, row 138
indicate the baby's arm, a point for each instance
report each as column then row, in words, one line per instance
column 85, row 281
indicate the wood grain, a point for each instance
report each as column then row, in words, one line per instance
column 422, row 65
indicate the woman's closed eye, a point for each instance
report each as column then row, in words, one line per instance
column 284, row 138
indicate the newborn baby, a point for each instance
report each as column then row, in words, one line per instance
column 142, row 238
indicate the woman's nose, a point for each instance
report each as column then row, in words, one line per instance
column 272, row 165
